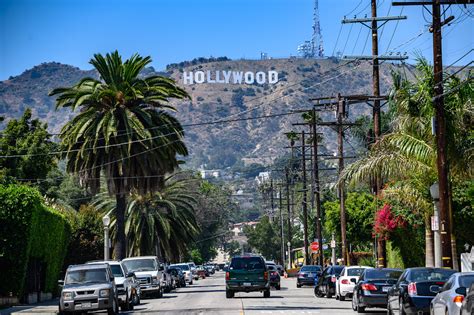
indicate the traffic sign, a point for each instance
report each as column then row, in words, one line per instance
column 315, row 246
column 333, row 244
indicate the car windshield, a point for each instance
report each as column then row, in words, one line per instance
column 430, row 274
column 271, row 267
column 247, row 263
column 140, row 265
column 117, row 270
column 311, row 268
column 85, row 276
column 182, row 267
column 355, row 272
column 382, row 274
column 466, row 281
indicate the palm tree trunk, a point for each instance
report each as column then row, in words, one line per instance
column 429, row 245
column 120, row 245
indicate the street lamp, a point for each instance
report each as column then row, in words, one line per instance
column 434, row 191
column 106, row 222
column 289, row 254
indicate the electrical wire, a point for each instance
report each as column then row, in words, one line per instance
column 337, row 40
column 357, row 40
column 347, row 40
column 360, row 2
column 395, row 30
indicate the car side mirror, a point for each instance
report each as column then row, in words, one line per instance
column 130, row 274
column 353, row 280
column 461, row 291
column 61, row 283
column 161, row 268
column 435, row 289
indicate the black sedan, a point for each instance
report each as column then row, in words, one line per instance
column 326, row 285
column 415, row 289
column 308, row 275
column 372, row 288
column 274, row 276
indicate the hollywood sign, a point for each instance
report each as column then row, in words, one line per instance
column 230, row 77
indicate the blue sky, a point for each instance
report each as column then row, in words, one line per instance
column 71, row 31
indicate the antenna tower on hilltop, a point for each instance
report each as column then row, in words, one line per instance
column 313, row 48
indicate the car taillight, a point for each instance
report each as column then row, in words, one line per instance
column 368, row 287
column 227, row 275
column 412, row 288
column 333, row 279
column 265, row 275
column 458, row 299
column 345, row 281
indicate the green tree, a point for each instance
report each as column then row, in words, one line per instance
column 122, row 131
column 264, row 239
column 233, row 248
column 29, row 140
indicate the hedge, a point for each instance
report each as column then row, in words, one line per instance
column 29, row 230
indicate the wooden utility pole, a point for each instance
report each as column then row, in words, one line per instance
column 341, row 113
column 287, row 177
column 438, row 100
column 282, row 234
column 305, row 201
column 316, row 187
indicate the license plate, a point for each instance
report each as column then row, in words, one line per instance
column 385, row 289
column 86, row 305
column 247, row 284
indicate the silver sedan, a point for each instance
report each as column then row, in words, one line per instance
column 450, row 297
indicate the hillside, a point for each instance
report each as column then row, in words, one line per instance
column 226, row 144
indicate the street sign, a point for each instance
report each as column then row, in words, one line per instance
column 434, row 223
column 325, row 246
column 333, row 244
column 315, row 246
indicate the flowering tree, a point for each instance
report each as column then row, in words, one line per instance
column 386, row 222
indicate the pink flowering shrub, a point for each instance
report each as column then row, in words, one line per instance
column 386, row 222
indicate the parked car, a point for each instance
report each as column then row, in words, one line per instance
column 468, row 303
column 201, row 272
column 347, row 280
column 372, row 287
column 148, row 271
column 167, row 281
column 210, row 269
column 280, row 269
column 247, row 274
column 221, row 266
column 326, row 285
column 178, row 276
column 186, row 268
column 449, row 299
column 414, row 290
column 274, row 276
column 124, row 281
column 308, row 275
column 193, row 270
column 88, row 288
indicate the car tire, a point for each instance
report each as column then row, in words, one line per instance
column 191, row 282
column 278, row 287
column 354, row 303
column 317, row 293
column 159, row 294
column 360, row 309
column 328, row 293
column 298, row 285
column 114, row 309
column 126, row 305
column 229, row 294
column 266, row 293
column 342, row 298
column 136, row 299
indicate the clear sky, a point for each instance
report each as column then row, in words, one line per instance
column 71, row 31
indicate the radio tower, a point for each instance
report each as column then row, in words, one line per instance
column 313, row 48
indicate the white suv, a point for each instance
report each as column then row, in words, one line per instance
column 148, row 272
column 347, row 280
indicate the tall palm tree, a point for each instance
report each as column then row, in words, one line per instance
column 122, row 131
column 162, row 222
column 408, row 153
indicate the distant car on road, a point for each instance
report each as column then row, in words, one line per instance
column 415, row 289
column 247, row 273
column 149, row 272
column 201, row 272
column 308, row 275
column 347, row 280
column 280, row 269
column 88, row 288
column 326, row 285
column 372, row 287
column 274, row 276
column 186, row 268
column 449, row 299
column 178, row 276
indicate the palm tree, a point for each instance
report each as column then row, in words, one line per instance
column 408, row 154
column 122, row 131
column 159, row 222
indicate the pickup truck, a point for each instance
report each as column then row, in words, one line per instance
column 88, row 288
column 247, row 273
column 149, row 272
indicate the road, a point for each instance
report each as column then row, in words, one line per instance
column 208, row 297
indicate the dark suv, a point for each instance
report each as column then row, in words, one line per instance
column 247, row 274
column 326, row 285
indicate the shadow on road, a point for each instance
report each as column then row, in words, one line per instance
column 200, row 291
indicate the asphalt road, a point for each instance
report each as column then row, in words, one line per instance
column 207, row 296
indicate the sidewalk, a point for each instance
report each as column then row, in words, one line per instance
column 45, row 308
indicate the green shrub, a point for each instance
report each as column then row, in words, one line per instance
column 29, row 230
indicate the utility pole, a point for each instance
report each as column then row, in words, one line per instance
column 282, row 235
column 442, row 161
column 305, row 201
column 287, row 177
column 316, row 187
column 341, row 113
